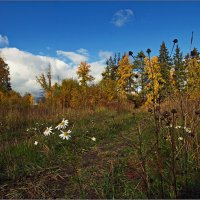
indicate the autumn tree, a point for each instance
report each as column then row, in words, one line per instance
column 155, row 80
column 125, row 77
column 4, row 76
column 68, row 88
column 193, row 73
column 108, row 90
column 45, row 82
column 83, row 73
column 28, row 99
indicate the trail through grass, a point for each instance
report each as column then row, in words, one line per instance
column 85, row 169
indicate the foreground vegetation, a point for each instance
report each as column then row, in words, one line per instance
column 135, row 134
column 110, row 154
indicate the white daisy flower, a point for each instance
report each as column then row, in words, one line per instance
column 62, row 124
column 187, row 130
column 65, row 134
column 180, row 138
column 48, row 131
column 177, row 127
column 36, row 143
column 93, row 139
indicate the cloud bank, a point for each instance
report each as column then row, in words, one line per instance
column 74, row 57
column 25, row 66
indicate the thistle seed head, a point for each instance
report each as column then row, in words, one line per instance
column 150, row 110
column 174, row 111
column 166, row 114
column 197, row 112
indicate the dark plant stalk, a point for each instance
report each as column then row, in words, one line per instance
column 173, row 155
column 182, row 127
column 157, row 131
column 197, row 145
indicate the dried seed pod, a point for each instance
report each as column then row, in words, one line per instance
column 150, row 110
column 166, row 114
column 175, row 41
column 165, row 138
column 136, row 76
column 130, row 53
column 167, row 123
column 170, row 119
column 197, row 112
column 148, row 51
column 174, row 111
column 192, row 135
column 158, row 99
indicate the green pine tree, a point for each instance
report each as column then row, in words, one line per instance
column 5, row 84
column 165, row 64
column 140, row 76
column 110, row 71
column 179, row 70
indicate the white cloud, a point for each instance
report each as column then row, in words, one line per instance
column 76, row 58
column 97, row 68
column 4, row 40
column 24, row 67
column 83, row 51
column 105, row 54
column 122, row 16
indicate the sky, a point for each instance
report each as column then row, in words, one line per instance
column 36, row 34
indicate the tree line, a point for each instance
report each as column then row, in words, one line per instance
column 135, row 79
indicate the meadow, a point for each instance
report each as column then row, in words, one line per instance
column 134, row 134
column 110, row 154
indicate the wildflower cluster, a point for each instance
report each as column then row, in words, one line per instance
column 64, row 134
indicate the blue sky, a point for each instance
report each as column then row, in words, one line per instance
column 61, row 30
column 35, row 26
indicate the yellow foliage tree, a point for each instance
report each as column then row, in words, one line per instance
column 125, row 74
column 67, row 89
column 28, row 99
column 193, row 76
column 108, row 89
column 172, row 80
column 83, row 73
column 155, row 80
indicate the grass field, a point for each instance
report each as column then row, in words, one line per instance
column 78, row 167
column 109, row 155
